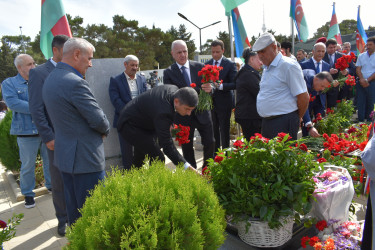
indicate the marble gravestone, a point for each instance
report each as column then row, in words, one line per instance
column 98, row 78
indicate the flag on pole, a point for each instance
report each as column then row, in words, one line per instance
column 296, row 12
column 53, row 22
column 240, row 38
column 334, row 29
column 231, row 4
column 361, row 37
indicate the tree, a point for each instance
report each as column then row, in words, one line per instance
column 7, row 56
column 76, row 25
column 348, row 26
column 322, row 31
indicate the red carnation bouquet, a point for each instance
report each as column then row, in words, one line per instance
column 209, row 74
column 181, row 133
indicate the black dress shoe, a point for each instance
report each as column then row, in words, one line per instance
column 61, row 229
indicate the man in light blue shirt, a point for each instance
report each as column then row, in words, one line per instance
column 366, row 87
column 283, row 98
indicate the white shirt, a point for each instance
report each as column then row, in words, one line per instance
column 132, row 85
column 316, row 64
column 367, row 63
column 281, row 82
column 187, row 68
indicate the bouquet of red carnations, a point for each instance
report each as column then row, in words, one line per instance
column 209, row 74
column 181, row 133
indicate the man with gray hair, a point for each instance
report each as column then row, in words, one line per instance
column 283, row 99
column 182, row 73
column 122, row 89
column 16, row 96
column 80, row 125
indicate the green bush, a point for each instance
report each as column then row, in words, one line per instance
column 150, row 208
column 9, row 152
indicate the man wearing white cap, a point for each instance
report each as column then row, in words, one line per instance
column 283, row 98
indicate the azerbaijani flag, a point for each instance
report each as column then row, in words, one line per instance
column 54, row 22
column 296, row 12
column 229, row 5
column 361, row 37
column 240, row 38
column 334, row 29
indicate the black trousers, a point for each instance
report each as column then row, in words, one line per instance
column 58, row 196
column 205, row 130
column 287, row 123
column 144, row 142
column 250, row 127
column 332, row 96
column 367, row 230
column 126, row 152
column 221, row 127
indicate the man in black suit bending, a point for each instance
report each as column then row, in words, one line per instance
column 223, row 96
column 182, row 73
column 146, row 120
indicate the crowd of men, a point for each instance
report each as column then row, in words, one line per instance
column 54, row 110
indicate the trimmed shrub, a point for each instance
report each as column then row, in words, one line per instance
column 150, row 208
column 9, row 152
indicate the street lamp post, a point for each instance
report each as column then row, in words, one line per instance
column 200, row 37
column 22, row 44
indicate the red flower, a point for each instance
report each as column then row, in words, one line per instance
column 350, row 81
column 238, row 144
column 321, row 225
column 205, row 171
column 363, row 145
column 302, row 146
column 330, row 111
column 313, row 241
column 321, row 160
column 282, row 135
column 219, row 158
column 362, row 174
column 304, row 240
column 3, row 224
column 193, row 85
column 338, row 101
column 312, row 98
column 181, row 133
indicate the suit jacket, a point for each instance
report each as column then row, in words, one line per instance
column 154, row 111
column 247, row 86
column 309, row 83
column 172, row 75
column 223, row 99
column 309, row 65
column 119, row 92
column 326, row 59
column 38, row 111
column 78, row 121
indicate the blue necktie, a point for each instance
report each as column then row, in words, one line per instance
column 185, row 75
column 331, row 61
column 317, row 70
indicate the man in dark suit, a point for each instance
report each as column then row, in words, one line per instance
column 331, row 57
column 145, row 122
column 222, row 96
column 182, row 73
column 80, row 125
column 122, row 89
column 315, row 85
column 44, row 125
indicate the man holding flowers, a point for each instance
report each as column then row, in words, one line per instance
column 183, row 73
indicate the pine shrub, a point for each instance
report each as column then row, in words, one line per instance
column 150, row 208
column 9, row 152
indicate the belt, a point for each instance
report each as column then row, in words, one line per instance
column 277, row 116
column 36, row 135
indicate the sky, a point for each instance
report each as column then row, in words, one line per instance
column 163, row 14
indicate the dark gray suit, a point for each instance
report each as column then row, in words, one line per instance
column 79, row 125
column 43, row 123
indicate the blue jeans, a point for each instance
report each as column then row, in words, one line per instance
column 28, row 149
column 76, row 189
column 365, row 101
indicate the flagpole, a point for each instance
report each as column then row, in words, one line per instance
column 291, row 21
column 230, row 38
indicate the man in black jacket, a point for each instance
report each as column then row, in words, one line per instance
column 222, row 96
column 182, row 73
column 146, row 120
